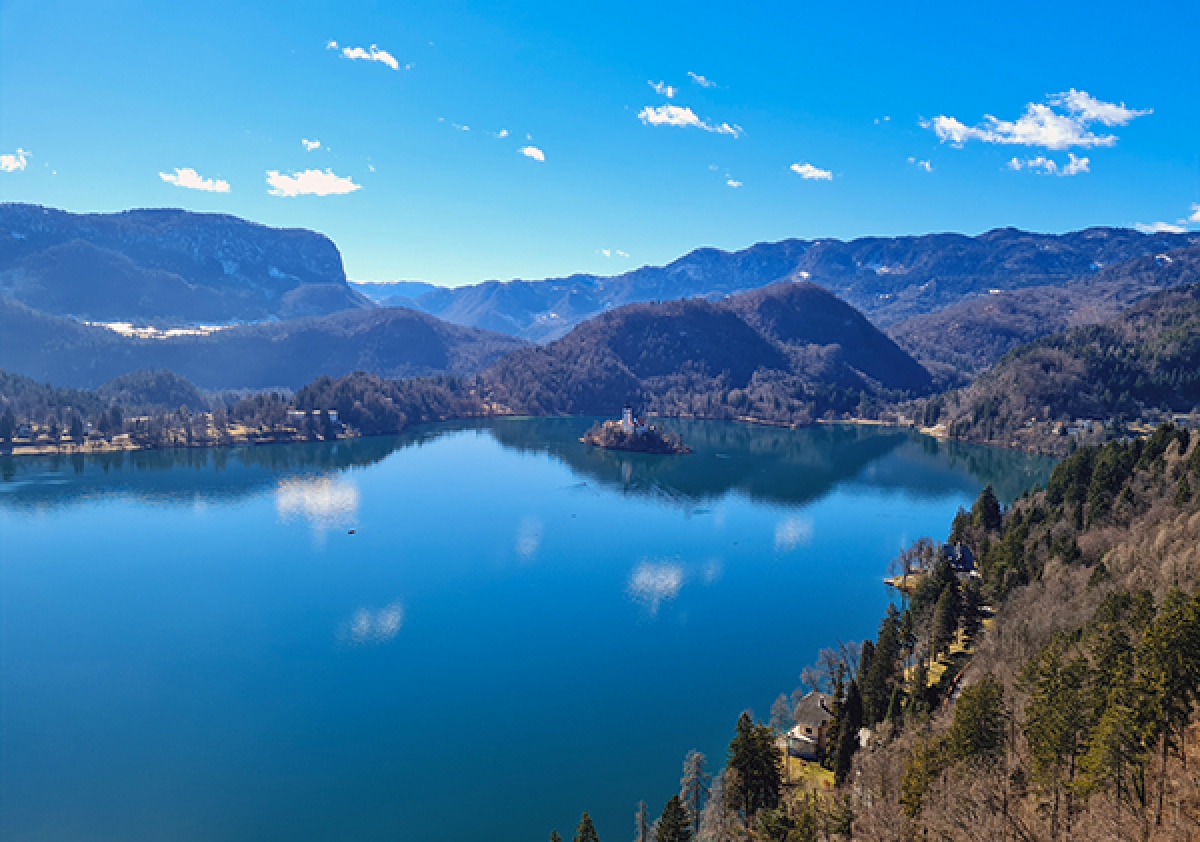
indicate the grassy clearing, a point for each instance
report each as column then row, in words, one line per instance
column 805, row 775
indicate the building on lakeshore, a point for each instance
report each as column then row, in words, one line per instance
column 806, row 739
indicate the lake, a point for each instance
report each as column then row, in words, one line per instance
column 194, row 645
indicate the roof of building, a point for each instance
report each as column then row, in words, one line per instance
column 813, row 709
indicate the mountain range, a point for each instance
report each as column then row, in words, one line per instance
column 888, row 278
column 778, row 331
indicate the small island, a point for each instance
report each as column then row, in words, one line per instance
column 634, row 434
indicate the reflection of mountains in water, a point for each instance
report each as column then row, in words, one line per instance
column 777, row 464
column 765, row 463
column 179, row 475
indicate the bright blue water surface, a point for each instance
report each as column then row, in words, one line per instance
column 193, row 646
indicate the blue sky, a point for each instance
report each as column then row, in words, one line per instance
column 111, row 105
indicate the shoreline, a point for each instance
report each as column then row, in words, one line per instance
column 125, row 444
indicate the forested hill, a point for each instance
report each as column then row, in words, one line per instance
column 789, row 353
column 1146, row 358
column 392, row 342
column 964, row 339
column 1069, row 716
column 167, row 267
column 887, row 278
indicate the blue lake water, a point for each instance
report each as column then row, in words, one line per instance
column 194, row 646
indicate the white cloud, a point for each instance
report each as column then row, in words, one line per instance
column 1195, row 217
column 884, row 119
column 375, row 626
column 502, row 133
column 653, row 583
column 371, row 54
column 15, row 161
column 1075, row 165
column 1091, row 109
column 792, row 532
column 663, row 89
column 310, row 183
column 533, row 152
column 732, row 182
column 921, row 165
column 811, row 173
column 192, row 180
column 1048, row 166
column 622, row 253
column 310, row 145
column 325, row 502
column 701, row 81
column 1160, row 228
column 683, row 117
column 606, row 252
column 1041, row 125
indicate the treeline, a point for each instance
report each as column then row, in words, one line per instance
column 376, row 406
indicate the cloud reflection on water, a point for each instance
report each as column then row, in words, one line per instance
column 375, row 626
column 529, row 537
column 325, row 502
column 655, row 582
column 792, row 532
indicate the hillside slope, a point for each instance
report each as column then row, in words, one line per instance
column 1146, row 359
column 786, row 353
column 887, row 278
column 167, row 267
column 391, row 342
column 964, row 339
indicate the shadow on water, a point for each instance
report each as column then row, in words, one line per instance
column 767, row 464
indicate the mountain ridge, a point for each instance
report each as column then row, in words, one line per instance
column 167, row 266
column 887, row 278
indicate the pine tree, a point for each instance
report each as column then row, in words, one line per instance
column 852, row 720
column 555, row 837
column 980, row 717
column 836, row 703
column 674, row 825
column 895, row 711
column 881, row 674
column 985, row 514
column 756, row 759
column 945, row 622
column 586, row 832
column 1169, row 675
